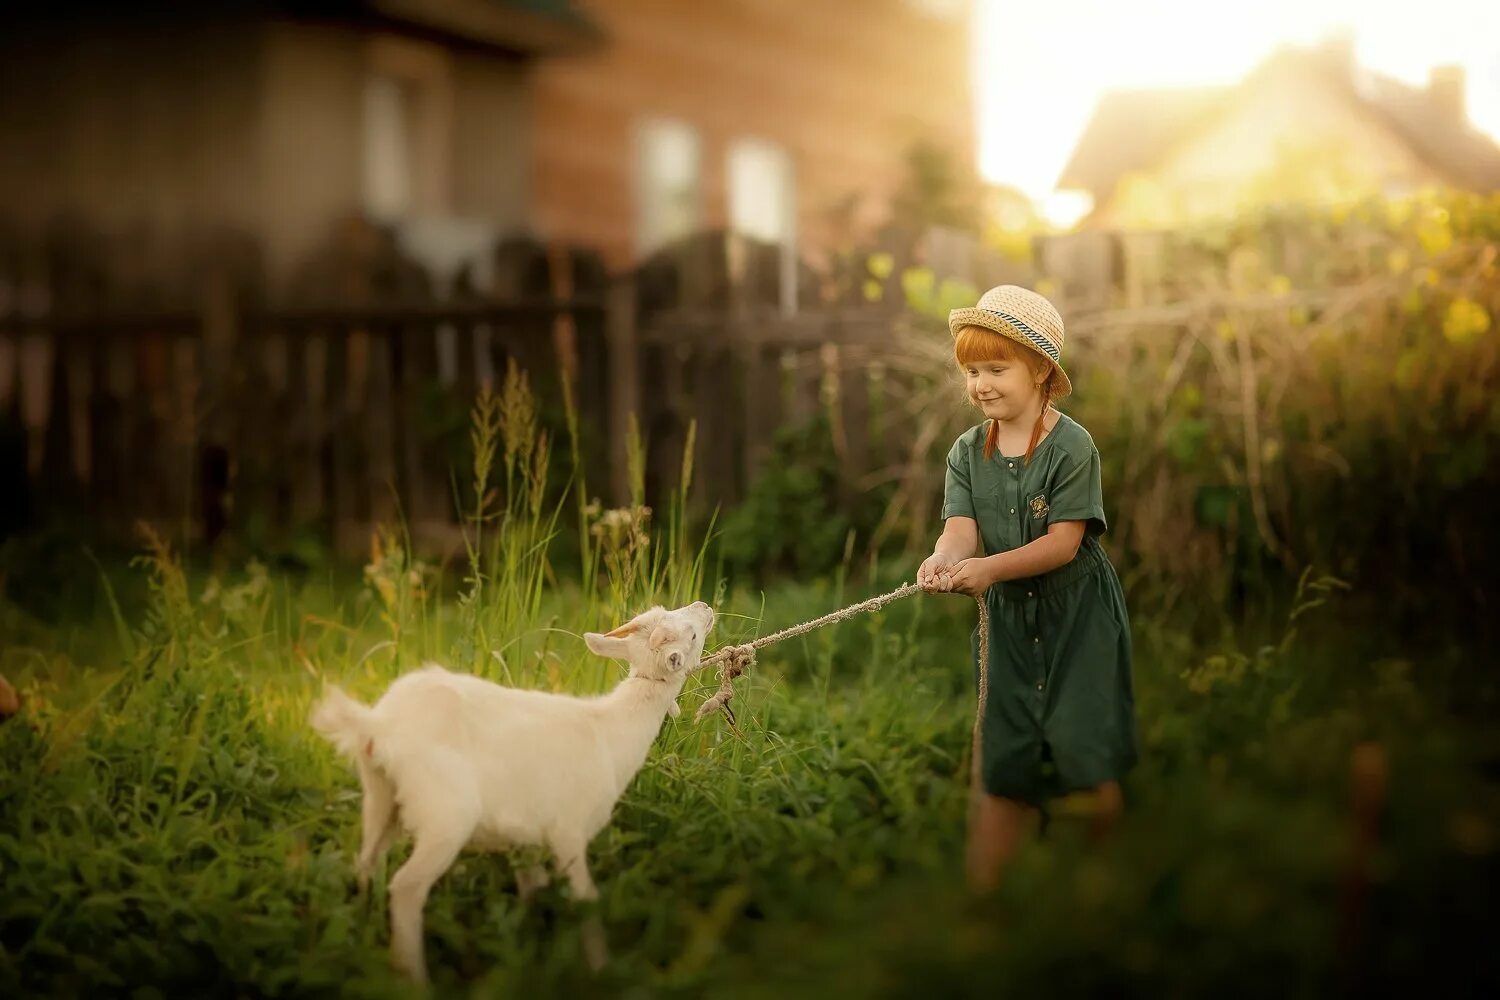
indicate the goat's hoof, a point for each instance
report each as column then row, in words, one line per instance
column 595, row 947
column 414, row 971
column 531, row 880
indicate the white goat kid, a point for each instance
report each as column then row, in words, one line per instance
column 472, row 763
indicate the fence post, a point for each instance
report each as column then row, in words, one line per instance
column 853, row 410
column 760, row 363
column 624, row 382
column 219, row 327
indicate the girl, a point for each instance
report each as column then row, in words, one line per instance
column 1060, row 710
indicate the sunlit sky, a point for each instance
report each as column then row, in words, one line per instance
column 1041, row 66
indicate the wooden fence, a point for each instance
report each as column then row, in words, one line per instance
column 340, row 418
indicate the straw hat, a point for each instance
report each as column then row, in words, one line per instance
column 1023, row 316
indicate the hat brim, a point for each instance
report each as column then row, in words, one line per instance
column 971, row 316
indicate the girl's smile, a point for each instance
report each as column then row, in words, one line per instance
column 1004, row 390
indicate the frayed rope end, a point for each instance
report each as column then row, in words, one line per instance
column 736, row 660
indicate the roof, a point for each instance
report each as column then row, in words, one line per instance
column 530, row 27
column 1456, row 149
column 1131, row 129
column 1134, row 130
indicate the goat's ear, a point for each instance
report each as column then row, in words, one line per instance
column 610, row 644
column 660, row 636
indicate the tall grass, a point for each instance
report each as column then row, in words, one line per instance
column 169, row 825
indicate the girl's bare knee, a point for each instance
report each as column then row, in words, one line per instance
column 1109, row 804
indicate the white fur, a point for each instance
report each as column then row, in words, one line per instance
column 472, row 763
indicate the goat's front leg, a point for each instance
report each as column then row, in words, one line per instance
column 432, row 855
column 572, row 859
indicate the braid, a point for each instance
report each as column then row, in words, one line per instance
column 1036, row 430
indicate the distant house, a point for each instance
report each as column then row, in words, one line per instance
column 1307, row 124
column 617, row 125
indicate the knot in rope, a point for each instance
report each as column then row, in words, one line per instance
column 733, row 661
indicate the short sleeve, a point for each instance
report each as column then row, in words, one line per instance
column 1078, row 493
column 958, row 496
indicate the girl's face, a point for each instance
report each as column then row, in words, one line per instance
column 1002, row 382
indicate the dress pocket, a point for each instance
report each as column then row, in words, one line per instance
column 1033, row 514
column 1038, row 506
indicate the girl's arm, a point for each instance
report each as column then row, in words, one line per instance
column 959, row 540
column 1056, row 548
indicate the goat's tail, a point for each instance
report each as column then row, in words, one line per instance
column 342, row 721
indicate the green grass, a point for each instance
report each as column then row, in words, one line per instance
column 168, row 820
column 169, row 824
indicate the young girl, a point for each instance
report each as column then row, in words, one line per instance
column 1060, row 710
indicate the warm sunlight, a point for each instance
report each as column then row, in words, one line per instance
column 1042, row 67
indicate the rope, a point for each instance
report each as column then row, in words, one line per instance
column 737, row 659
column 976, row 771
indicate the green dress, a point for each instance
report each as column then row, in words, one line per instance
column 1060, row 714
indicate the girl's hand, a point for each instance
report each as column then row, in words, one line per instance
column 971, row 576
column 932, row 575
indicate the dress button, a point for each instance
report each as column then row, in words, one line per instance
column 1012, row 510
column 1038, row 685
column 1010, row 465
column 1030, row 593
column 1036, row 638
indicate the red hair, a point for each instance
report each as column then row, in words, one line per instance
column 975, row 345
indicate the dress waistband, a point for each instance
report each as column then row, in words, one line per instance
column 1090, row 557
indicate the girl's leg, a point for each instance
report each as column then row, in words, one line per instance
column 996, row 832
column 1109, row 803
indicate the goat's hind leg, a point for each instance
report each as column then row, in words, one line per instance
column 378, row 820
column 572, row 859
column 441, row 812
column 432, row 855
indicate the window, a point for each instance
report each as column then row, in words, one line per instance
column 389, row 145
column 763, row 204
column 669, row 166
column 408, row 110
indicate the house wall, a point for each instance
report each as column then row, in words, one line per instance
column 470, row 117
column 309, row 141
column 257, row 125
column 843, row 85
column 151, row 138
column 492, row 140
column 134, row 132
